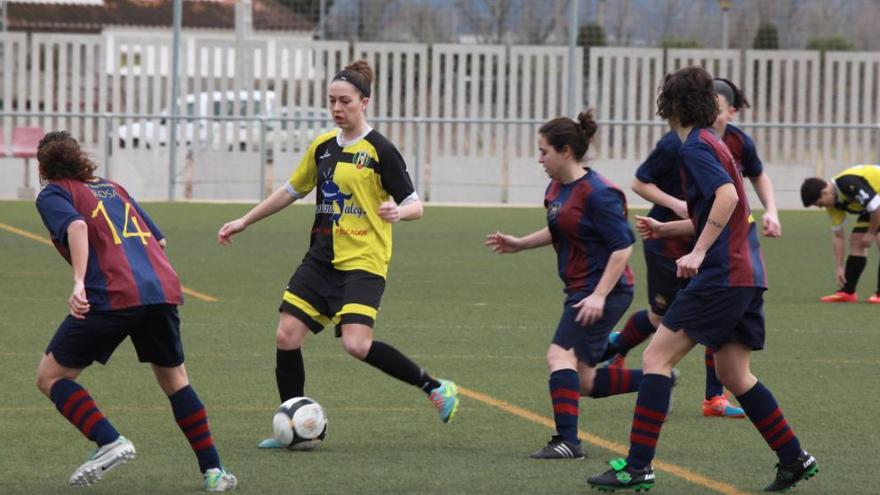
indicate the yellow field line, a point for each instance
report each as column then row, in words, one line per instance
column 43, row 240
column 684, row 473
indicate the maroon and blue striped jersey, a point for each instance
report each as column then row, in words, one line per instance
column 742, row 147
column 126, row 265
column 735, row 259
column 661, row 169
column 587, row 220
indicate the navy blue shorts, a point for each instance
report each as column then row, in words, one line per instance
column 154, row 331
column 663, row 285
column 716, row 316
column 589, row 342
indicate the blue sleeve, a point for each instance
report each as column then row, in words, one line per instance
column 608, row 209
column 56, row 209
column 157, row 234
column 661, row 161
column 751, row 163
column 705, row 169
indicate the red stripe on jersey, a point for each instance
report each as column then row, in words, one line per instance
column 741, row 270
column 192, row 418
column 564, row 393
column 569, row 221
column 71, row 401
column 121, row 286
column 565, row 409
column 158, row 260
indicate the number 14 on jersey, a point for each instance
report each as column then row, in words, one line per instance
column 100, row 209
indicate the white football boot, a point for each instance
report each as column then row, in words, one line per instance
column 103, row 459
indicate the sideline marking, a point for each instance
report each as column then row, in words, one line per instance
column 684, row 473
column 43, row 240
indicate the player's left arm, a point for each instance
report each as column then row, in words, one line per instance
column 78, row 242
column 770, row 221
column 406, row 204
column 725, row 202
column 609, row 215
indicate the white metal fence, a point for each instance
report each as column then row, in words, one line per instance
column 465, row 116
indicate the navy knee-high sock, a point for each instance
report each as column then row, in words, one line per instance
column 393, row 362
column 853, row 270
column 761, row 407
column 76, row 404
column 615, row 381
column 650, row 413
column 565, row 392
column 637, row 329
column 713, row 385
column 189, row 412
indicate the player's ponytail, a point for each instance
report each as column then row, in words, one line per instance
column 563, row 131
column 60, row 157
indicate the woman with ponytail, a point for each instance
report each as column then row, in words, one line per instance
column 587, row 225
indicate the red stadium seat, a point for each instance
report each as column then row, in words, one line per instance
column 25, row 141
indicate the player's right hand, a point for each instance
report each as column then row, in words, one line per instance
column 224, row 235
column 78, row 302
column 648, row 227
column 501, row 243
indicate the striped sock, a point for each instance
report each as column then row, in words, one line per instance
column 651, row 406
column 638, row 328
column 762, row 409
column 189, row 412
column 615, row 381
column 565, row 393
column 75, row 404
column 713, row 385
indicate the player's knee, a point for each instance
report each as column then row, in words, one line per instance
column 288, row 337
column 44, row 383
column 654, row 361
column 356, row 346
column 559, row 358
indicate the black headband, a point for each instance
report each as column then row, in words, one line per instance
column 724, row 89
column 356, row 79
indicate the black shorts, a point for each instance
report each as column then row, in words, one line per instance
column 319, row 294
column 717, row 316
column 863, row 222
column 154, row 331
column 589, row 342
column 663, row 285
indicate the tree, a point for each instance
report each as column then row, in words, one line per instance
column 767, row 37
column 674, row 42
column 831, row 44
column 591, row 35
column 310, row 9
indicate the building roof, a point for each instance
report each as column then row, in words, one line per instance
column 91, row 16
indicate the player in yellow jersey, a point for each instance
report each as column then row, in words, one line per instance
column 362, row 188
column 855, row 190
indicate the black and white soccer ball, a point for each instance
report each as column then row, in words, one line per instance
column 300, row 424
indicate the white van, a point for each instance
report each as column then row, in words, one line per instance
column 198, row 127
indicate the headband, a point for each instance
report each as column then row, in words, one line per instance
column 354, row 78
column 723, row 88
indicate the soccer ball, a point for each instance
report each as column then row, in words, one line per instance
column 300, row 424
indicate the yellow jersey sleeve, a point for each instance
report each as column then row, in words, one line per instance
column 837, row 217
column 305, row 177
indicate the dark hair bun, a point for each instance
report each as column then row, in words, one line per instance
column 362, row 67
column 587, row 123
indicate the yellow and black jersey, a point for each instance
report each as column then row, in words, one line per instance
column 352, row 180
column 856, row 193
